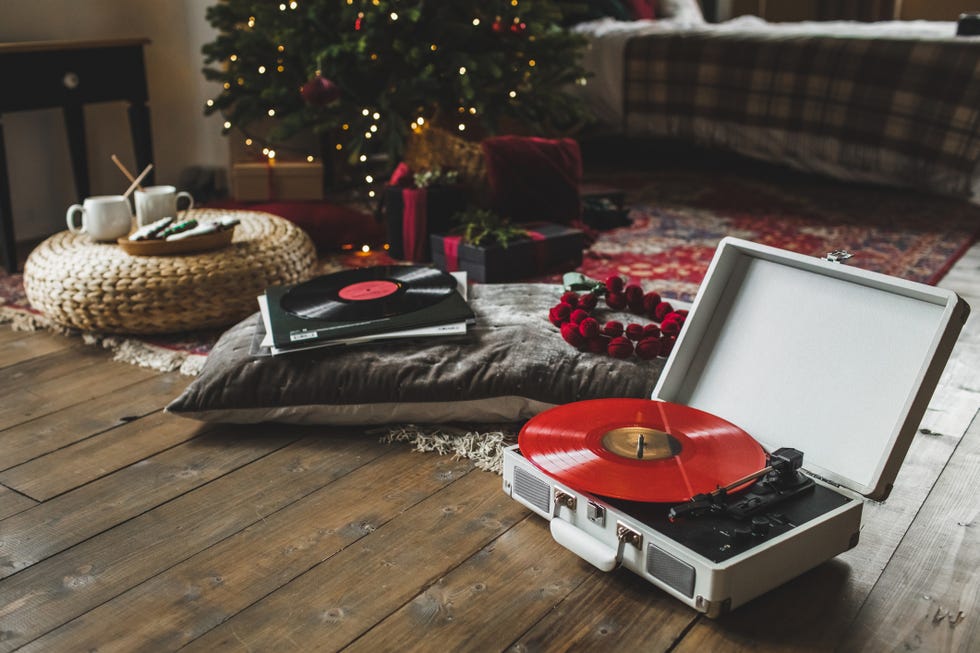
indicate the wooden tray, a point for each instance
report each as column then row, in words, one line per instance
column 202, row 243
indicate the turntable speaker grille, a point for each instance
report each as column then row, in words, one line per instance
column 535, row 491
column 668, row 569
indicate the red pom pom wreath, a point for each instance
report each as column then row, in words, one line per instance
column 573, row 316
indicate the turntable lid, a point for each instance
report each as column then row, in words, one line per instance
column 801, row 352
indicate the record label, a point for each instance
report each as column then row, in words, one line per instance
column 639, row 449
column 364, row 290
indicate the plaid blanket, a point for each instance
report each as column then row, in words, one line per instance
column 888, row 110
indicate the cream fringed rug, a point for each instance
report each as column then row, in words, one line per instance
column 484, row 448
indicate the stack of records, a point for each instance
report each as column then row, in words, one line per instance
column 364, row 305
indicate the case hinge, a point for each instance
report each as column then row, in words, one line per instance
column 838, row 256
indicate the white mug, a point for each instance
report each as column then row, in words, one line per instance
column 155, row 202
column 103, row 217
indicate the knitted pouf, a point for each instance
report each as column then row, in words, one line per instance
column 79, row 283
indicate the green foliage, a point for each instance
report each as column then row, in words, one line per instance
column 394, row 62
column 484, row 227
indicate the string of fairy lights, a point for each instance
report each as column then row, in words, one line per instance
column 357, row 134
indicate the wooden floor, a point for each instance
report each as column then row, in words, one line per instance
column 124, row 528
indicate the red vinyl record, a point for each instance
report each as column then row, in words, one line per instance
column 639, row 449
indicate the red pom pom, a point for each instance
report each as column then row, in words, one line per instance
column 588, row 301
column 319, row 91
column 613, row 329
column 614, row 284
column 597, row 345
column 634, row 297
column 662, row 309
column 666, row 345
column 670, row 327
column 650, row 301
column 577, row 316
column 554, row 317
column 563, row 310
column 648, row 348
column 620, row 347
column 651, row 331
column 616, row 301
column 589, row 327
column 570, row 298
column 571, row 335
column 634, row 331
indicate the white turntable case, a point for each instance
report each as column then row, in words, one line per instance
column 800, row 352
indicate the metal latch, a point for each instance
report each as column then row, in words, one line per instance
column 626, row 535
column 563, row 498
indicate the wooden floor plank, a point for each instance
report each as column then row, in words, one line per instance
column 503, row 589
column 19, row 346
column 346, row 594
column 194, row 596
column 73, row 517
column 12, row 503
column 928, row 597
column 82, row 462
column 43, row 386
column 618, row 611
column 60, row 588
column 34, row 438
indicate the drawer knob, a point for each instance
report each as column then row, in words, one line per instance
column 70, row 80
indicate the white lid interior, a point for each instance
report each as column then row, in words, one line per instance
column 800, row 352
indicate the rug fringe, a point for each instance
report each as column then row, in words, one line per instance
column 484, row 448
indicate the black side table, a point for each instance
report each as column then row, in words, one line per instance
column 69, row 74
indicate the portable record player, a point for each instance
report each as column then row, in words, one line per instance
column 827, row 368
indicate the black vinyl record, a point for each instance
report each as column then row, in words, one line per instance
column 368, row 293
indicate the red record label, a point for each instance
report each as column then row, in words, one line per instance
column 639, row 449
column 367, row 290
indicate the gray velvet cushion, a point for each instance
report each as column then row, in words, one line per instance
column 512, row 365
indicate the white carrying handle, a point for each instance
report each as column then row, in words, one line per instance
column 584, row 546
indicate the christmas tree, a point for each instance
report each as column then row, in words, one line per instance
column 363, row 74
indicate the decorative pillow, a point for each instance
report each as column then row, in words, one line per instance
column 512, row 365
column 534, row 178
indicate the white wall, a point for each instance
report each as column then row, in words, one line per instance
column 37, row 147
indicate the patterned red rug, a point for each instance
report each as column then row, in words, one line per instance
column 677, row 218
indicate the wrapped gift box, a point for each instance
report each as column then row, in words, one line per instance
column 412, row 214
column 550, row 247
column 277, row 181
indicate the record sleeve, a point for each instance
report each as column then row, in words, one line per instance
column 355, row 304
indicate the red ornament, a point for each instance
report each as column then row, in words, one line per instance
column 319, row 91
column 498, row 25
